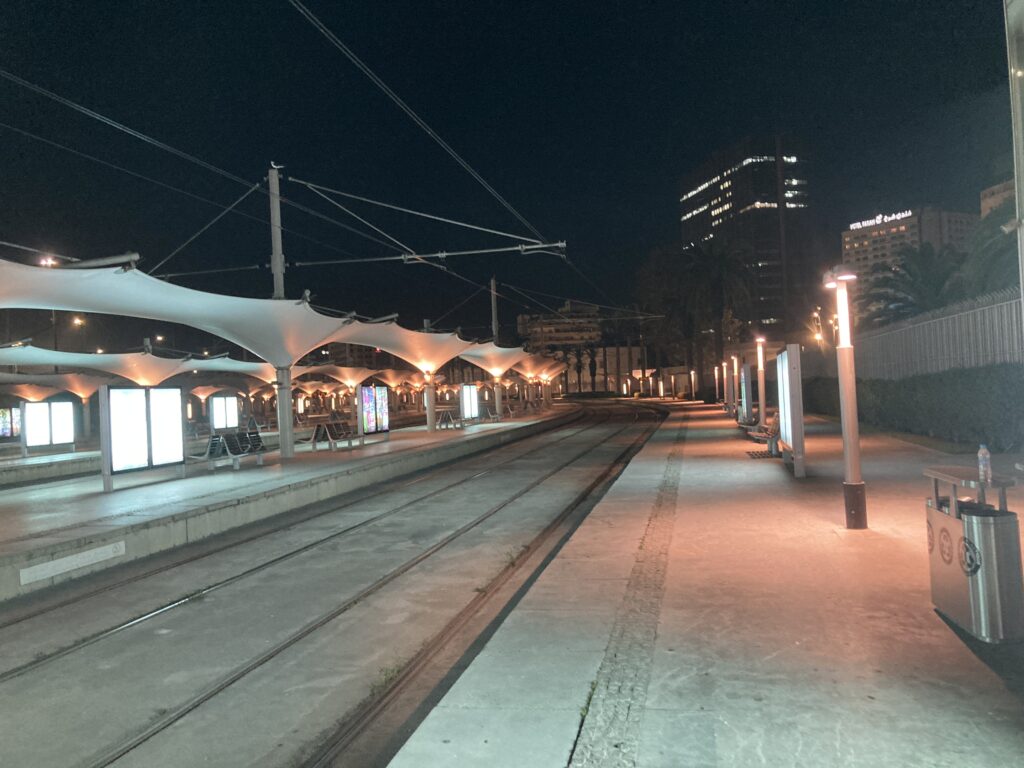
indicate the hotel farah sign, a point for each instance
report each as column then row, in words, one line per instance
column 881, row 219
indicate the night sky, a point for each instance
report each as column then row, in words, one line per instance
column 585, row 116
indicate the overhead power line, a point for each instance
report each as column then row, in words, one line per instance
column 333, row 39
column 399, row 208
column 170, row 187
column 205, row 227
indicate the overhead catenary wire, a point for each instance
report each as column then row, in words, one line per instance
column 163, row 185
column 412, row 212
column 205, row 227
column 355, row 216
column 333, row 39
column 569, row 298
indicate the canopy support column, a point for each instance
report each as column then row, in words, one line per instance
column 429, row 401
column 285, row 431
column 497, row 397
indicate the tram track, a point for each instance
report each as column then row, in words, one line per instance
column 182, row 710
column 357, row 497
column 43, row 659
column 545, row 545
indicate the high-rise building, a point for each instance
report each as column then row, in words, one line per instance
column 879, row 240
column 754, row 198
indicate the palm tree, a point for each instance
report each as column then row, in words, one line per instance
column 992, row 261
column 717, row 279
column 922, row 279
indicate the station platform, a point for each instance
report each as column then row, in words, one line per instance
column 712, row 610
column 60, row 530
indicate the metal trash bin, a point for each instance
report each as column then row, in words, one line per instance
column 974, row 557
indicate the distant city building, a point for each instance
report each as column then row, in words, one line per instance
column 576, row 324
column 754, row 196
column 995, row 196
column 879, row 240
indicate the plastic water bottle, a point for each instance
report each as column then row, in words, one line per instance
column 984, row 464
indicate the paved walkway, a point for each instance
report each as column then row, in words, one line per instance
column 714, row 611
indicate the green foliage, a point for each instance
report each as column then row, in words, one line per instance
column 922, row 279
column 969, row 405
column 991, row 261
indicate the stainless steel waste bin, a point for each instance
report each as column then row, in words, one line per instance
column 974, row 558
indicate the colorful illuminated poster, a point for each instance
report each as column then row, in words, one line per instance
column 368, row 404
column 383, row 422
column 15, row 422
column 6, row 427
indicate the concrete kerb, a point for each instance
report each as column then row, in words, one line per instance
column 175, row 530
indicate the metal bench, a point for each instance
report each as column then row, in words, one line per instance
column 449, row 418
column 333, row 432
column 769, row 435
column 238, row 445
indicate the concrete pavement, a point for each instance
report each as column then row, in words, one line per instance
column 714, row 611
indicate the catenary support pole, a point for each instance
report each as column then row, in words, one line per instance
column 277, row 250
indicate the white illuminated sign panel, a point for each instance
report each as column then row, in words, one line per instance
column 469, row 401
column 145, row 428
column 49, row 424
column 166, row 438
column 791, row 407
column 224, row 412
column 37, row 424
column 62, row 423
column 882, row 218
column 129, row 435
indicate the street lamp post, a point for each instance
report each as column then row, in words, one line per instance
column 761, row 421
column 716, row 383
column 853, row 484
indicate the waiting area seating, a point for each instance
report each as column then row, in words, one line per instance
column 234, row 446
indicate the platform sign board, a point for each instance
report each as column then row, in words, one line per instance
column 47, row 424
column 746, row 413
column 373, row 410
column 469, row 401
column 140, row 428
column 791, row 408
column 223, row 412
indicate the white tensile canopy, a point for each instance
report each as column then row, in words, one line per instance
column 494, row 359
column 351, row 377
column 426, row 351
column 538, row 366
column 279, row 331
column 31, row 392
column 393, row 377
column 75, row 383
column 142, row 368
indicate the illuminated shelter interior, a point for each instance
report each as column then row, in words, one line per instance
column 350, row 377
column 78, row 384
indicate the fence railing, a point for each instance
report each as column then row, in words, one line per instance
column 980, row 332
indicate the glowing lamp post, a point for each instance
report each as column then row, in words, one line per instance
column 693, row 384
column 853, row 485
column 716, row 382
column 735, row 386
column 761, row 421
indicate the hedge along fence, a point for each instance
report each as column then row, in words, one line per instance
column 970, row 405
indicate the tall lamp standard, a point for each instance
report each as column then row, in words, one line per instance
column 716, row 383
column 853, row 485
column 761, row 421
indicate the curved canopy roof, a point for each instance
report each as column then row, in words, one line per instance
column 75, row 383
column 492, row 358
column 279, row 331
column 31, row 392
column 263, row 371
column 351, row 377
column 426, row 351
column 537, row 366
column 142, row 368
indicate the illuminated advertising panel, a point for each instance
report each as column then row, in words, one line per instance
column 166, row 438
column 224, row 412
column 469, row 402
column 129, row 433
column 146, row 428
column 383, row 418
column 37, row 424
column 6, row 423
column 368, row 408
column 16, row 422
column 62, row 423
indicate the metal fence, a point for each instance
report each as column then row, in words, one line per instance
column 983, row 331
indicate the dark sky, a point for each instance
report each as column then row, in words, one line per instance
column 584, row 115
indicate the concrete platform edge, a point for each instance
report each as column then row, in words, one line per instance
column 176, row 530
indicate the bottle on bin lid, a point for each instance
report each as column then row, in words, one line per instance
column 984, row 464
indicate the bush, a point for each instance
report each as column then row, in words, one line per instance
column 968, row 405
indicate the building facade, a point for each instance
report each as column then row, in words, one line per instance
column 878, row 240
column 994, row 196
column 754, row 197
